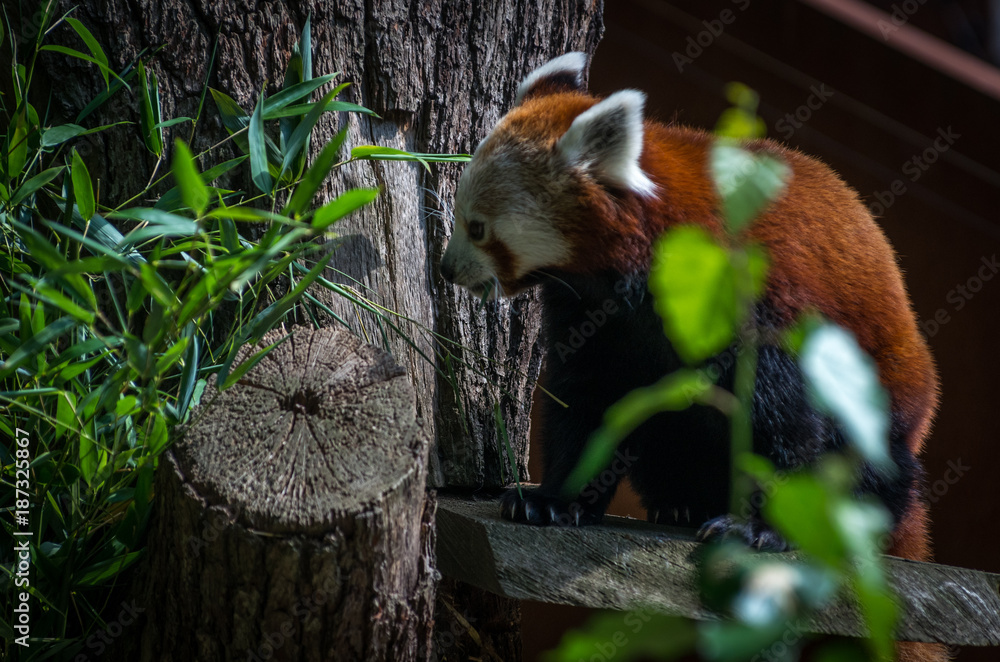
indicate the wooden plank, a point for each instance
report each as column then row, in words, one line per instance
column 630, row 564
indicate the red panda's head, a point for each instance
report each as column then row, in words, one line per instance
column 542, row 179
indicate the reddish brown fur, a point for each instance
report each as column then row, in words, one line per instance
column 827, row 254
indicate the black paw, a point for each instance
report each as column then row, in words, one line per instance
column 752, row 532
column 542, row 510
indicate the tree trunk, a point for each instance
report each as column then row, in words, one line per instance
column 440, row 73
column 292, row 521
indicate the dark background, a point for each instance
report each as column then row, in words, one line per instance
column 893, row 91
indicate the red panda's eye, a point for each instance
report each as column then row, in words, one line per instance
column 476, row 230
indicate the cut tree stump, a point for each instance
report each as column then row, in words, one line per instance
column 630, row 564
column 292, row 521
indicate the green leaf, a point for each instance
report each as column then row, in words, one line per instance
column 65, row 304
column 17, row 146
column 149, row 112
column 675, row 392
column 189, row 373
column 801, row 508
column 295, row 92
column 65, row 414
column 83, row 189
column 171, row 356
column 60, row 134
column 843, row 381
column 244, row 367
column 746, row 182
column 103, row 66
column 95, row 48
column 37, row 344
column 627, row 637
column 741, row 121
column 160, row 224
column 102, row 571
column 298, row 142
column 193, row 190
column 736, row 642
column 126, row 406
column 171, row 122
column 258, row 153
column 171, row 200
column 267, row 318
column 253, row 215
column 155, row 436
column 35, row 183
column 103, row 97
column 376, row 153
column 299, row 201
column 695, row 290
column 233, row 117
column 88, row 458
column 156, row 286
column 330, row 107
column 341, row 206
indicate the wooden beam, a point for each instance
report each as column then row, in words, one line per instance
column 630, row 564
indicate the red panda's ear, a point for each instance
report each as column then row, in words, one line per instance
column 563, row 74
column 606, row 140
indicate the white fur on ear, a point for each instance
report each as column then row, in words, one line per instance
column 572, row 64
column 607, row 140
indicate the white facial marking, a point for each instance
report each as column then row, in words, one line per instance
column 493, row 191
column 607, row 140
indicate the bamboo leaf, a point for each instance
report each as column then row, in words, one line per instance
column 193, row 190
column 330, row 107
column 258, row 153
column 105, row 71
column 244, row 367
column 92, row 45
column 295, row 92
column 314, row 177
column 60, row 134
column 149, row 116
column 83, row 189
column 299, row 140
column 340, row 207
column 38, row 342
column 35, row 183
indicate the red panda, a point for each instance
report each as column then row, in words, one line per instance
column 570, row 192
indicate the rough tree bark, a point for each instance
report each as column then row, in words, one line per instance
column 292, row 520
column 440, row 73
